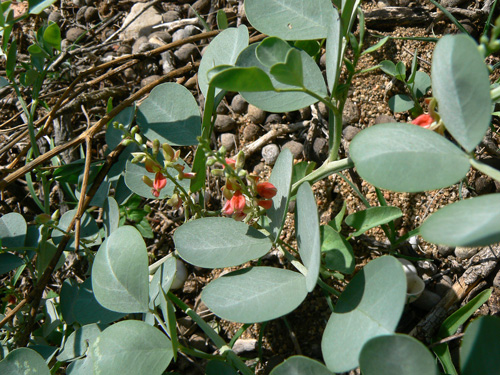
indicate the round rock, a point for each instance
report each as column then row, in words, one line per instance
column 239, row 105
column 255, row 114
column 273, row 118
column 270, row 153
column 384, row 119
column 170, row 16
column 55, row 17
column 349, row 132
column 466, row 252
column 186, row 52
column 74, row 33
column 320, row 149
column 295, row 147
column 228, row 140
column 146, row 81
column 224, row 123
column 445, row 250
column 351, row 113
column 251, row 132
column 91, row 14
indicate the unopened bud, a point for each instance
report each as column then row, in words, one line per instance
column 138, row 138
column 127, row 142
column 242, row 173
column 240, row 160
column 217, row 172
column 168, row 152
column 147, row 181
column 55, row 216
column 210, row 161
column 134, row 130
column 222, row 150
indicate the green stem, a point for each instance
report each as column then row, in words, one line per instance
column 327, row 287
column 328, row 168
column 495, row 94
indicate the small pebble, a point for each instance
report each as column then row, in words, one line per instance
column 186, row 52
column 427, row 300
column 270, row 153
column 320, row 150
column 466, row 252
column 79, row 3
column 445, row 250
column 384, row 119
column 244, row 346
column 200, row 6
column 426, row 267
column 255, row 114
column 163, row 36
column 323, row 110
column 305, row 113
column 224, row 123
column 146, row 81
column 222, row 108
column 170, row 16
column 138, row 43
column 124, row 49
column 55, row 17
column 91, row 14
column 351, row 113
column 251, row 132
column 295, row 147
column 228, row 140
column 259, row 168
column 74, row 33
column 198, row 342
column 239, row 105
column 129, row 74
column 349, row 132
column 484, row 185
column 80, row 15
column 273, row 118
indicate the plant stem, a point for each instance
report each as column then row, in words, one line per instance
column 328, row 168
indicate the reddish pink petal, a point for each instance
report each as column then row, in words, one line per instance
column 266, row 190
column 151, row 166
column 238, row 202
column 155, row 192
column 230, row 162
column 424, row 120
column 228, row 208
column 266, row 204
column 160, row 181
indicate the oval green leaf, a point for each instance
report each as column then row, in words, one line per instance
column 372, row 217
column 400, row 103
column 110, row 215
column 163, row 278
column 120, row 272
column 13, row 230
column 370, row 306
column 333, row 50
column 461, row 85
column 237, row 79
column 289, row 72
column 281, row 178
column 52, row 36
column 8, row 262
column 291, row 19
column 395, row 355
column 23, row 361
column 131, row 347
column 272, row 50
column 226, row 242
column 89, row 231
column 338, row 253
column 77, row 343
column 299, row 365
column 407, row 158
column 170, row 114
column 470, row 222
column 308, row 239
column 255, row 294
column 480, row 347
column 222, row 50
column 283, row 101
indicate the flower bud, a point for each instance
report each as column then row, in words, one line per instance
column 156, row 146
column 147, row 181
column 168, row 152
column 240, row 160
column 127, row 142
column 138, row 138
column 210, row 161
column 134, row 130
column 217, row 172
column 222, row 150
column 242, row 173
column 55, row 216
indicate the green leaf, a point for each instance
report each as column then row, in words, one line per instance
column 289, row 72
column 78, row 304
column 3, row 82
column 217, row 367
column 372, row 217
column 114, row 135
column 400, row 103
column 312, row 47
column 308, row 240
column 291, row 19
column 421, row 84
column 470, row 222
column 110, row 215
column 37, row 6
column 89, row 231
column 299, row 365
column 222, row 23
column 370, row 306
column 120, row 272
column 480, row 347
column 163, row 278
column 131, row 347
column 388, row 67
column 52, row 36
column 9, row 262
column 80, row 367
column 240, row 79
column 272, row 50
column 461, row 86
column 47, row 252
column 405, row 157
column 78, row 342
column 339, row 255
column 395, row 355
column 171, row 115
column 13, row 230
column 281, row 179
column 226, row 242
column 401, row 71
column 376, row 46
column 223, row 50
column 283, row 101
column 135, row 172
column 255, row 294
column 23, row 361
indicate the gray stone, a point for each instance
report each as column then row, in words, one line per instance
column 186, row 52
column 200, row 6
column 222, row 108
column 444, row 285
column 259, row 168
column 163, row 36
column 238, row 104
column 384, row 119
column 198, row 342
column 452, row 3
column 322, row 61
column 484, row 185
column 79, row 3
column 124, row 49
column 74, row 33
column 138, row 44
column 466, row 252
column 251, row 132
column 320, row 149
column 170, row 16
column 224, row 123
column 351, row 113
column 129, row 74
column 273, row 118
column 146, row 81
column 184, row 33
column 445, row 250
column 295, row 147
column 270, row 153
column 55, row 17
column 305, row 113
column 143, row 24
column 244, row 346
column 255, row 114
column 349, row 132
column 323, row 110
column 144, row 47
column 427, row 300
column 91, row 14
column 228, row 140
column 496, row 280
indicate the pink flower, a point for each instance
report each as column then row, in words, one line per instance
column 266, row 190
column 265, row 203
column 424, row 120
column 159, row 183
column 235, row 205
column 230, row 162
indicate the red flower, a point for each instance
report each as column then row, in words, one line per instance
column 230, row 162
column 235, row 205
column 424, row 120
column 266, row 190
column 265, row 203
column 159, row 183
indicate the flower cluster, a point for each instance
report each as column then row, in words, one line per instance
column 244, row 193
column 430, row 120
